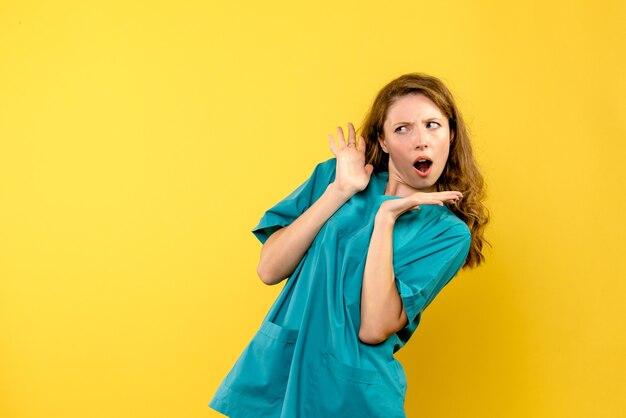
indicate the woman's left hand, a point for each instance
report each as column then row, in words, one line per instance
column 396, row 207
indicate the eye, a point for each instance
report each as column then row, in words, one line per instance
column 428, row 123
column 399, row 127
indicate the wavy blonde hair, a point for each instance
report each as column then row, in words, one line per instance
column 461, row 171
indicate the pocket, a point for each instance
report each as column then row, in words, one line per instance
column 262, row 370
column 343, row 390
column 351, row 373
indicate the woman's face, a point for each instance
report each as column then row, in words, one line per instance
column 417, row 139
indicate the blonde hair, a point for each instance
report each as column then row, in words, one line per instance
column 461, row 171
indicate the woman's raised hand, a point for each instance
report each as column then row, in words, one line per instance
column 352, row 174
column 397, row 207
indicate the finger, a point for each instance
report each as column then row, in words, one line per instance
column 448, row 191
column 361, row 145
column 340, row 138
column 431, row 202
column 450, row 196
column 351, row 134
column 446, row 195
column 331, row 142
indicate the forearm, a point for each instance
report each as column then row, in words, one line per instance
column 284, row 249
column 382, row 311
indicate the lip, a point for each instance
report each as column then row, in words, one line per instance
column 423, row 174
column 423, row 157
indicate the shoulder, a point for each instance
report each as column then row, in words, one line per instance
column 327, row 166
column 456, row 226
column 323, row 173
column 430, row 227
column 456, row 231
column 438, row 219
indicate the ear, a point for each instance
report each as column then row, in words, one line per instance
column 381, row 141
column 451, row 136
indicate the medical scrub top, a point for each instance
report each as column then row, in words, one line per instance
column 306, row 359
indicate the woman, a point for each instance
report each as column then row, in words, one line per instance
column 367, row 242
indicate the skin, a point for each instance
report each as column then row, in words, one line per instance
column 409, row 131
column 414, row 127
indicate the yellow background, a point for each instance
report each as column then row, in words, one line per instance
column 141, row 142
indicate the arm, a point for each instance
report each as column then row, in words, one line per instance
column 382, row 311
column 284, row 249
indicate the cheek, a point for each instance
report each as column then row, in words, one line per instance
column 444, row 154
column 443, row 150
column 400, row 151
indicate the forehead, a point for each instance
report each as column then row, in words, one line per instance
column 413, row 107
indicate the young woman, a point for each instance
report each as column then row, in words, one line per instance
column 367, row 242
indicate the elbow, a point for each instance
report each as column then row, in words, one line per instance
column 266, row 272
column 376, row 332
column 371, row 336
column 267, row 276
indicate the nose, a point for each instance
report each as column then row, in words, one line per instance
column 420, row 143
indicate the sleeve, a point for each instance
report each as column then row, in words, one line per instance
column 421, row 276
column 291, row 207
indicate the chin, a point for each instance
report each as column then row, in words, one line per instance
column 424, row 187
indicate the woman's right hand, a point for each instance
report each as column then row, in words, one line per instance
column 352, row 174
column 396, row 207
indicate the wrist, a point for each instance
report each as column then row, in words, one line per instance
column 340, row 194
column 384, row 217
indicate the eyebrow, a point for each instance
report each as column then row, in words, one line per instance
column 408, row 123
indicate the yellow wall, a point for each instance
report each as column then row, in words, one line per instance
column 140, row 143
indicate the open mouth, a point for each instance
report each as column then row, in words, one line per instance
column 422, row 166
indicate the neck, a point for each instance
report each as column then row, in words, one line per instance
column 397, row 187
